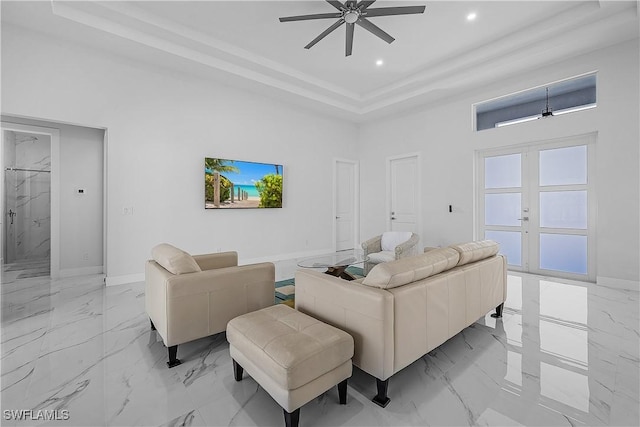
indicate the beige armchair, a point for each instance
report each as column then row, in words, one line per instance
column 389, row 246
column 190, row 297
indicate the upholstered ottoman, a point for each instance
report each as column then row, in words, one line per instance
column 294, row 357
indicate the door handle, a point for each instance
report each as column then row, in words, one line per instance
column 393, row 217
column 524, row 218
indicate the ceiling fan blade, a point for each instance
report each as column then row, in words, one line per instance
column 308, row 17
column 325, row 33
column 349, row 45
column 387, row 11
column 363, row 5
column 338, row 5
column 374, row 29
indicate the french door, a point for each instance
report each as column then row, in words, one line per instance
column 538, row 202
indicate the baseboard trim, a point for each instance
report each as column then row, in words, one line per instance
column 83, row 271
column 124, row 279
column 623, row 284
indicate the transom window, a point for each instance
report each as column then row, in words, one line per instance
column 553, row 99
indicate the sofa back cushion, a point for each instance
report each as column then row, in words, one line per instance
column 406, row 270
column 475, row 251
column 391, row 239
column 174, row 260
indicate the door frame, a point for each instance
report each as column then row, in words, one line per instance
column 356, row 201
column 529, row 188
column 54, row 134
column 389, row 160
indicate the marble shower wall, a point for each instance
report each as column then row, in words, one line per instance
column 28, row 194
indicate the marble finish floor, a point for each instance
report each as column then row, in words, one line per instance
column 565, row 353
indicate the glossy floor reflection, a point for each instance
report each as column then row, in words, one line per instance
column 565, row 353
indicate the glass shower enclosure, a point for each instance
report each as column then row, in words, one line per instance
column 27, row 201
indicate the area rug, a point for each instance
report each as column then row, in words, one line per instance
column 285, row 289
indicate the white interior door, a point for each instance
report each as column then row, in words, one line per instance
column 538, row 202
column 346, row 204
column 404, row 194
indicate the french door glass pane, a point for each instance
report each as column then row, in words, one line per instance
column 502, row 171
column 563, row 166
column 563, row 209
column 502, row 209
column 563, row 252
column 510, row 245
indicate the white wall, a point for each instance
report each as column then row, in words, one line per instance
column 444, row 136
column 160, row 128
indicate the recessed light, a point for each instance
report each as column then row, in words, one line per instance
column 379, row 62
column 472, row 16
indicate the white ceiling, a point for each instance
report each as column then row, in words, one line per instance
column 243, row 42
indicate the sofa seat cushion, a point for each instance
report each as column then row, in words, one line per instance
column 475, row 251
column 291, row 347
column 174, row 260
column 384, row 256
column 391, row 239
column 406, row 270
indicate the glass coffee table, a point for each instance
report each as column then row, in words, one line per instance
column 336, row 263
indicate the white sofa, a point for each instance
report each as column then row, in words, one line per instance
column 405, row 308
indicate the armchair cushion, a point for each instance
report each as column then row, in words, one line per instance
column 383, row 256
column 391, row 239
column 174, row 260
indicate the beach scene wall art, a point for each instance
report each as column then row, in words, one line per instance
column 235, row 184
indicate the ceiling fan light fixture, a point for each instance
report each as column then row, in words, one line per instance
column 351, row 16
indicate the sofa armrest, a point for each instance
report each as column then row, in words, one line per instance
column 372, row 245
column 364, row 312
column 217, row 260
column 408, row 247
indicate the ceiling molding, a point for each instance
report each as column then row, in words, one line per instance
column 515, row 51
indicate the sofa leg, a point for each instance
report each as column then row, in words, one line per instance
column 291, row 419
column 153, row 327
column 498, row 312
column 173, row 353
column 237, row 371
column 381, row 398
column 342, row 392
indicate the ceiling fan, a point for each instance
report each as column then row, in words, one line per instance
column 353, row 13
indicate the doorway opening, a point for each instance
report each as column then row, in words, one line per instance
column 26, row 167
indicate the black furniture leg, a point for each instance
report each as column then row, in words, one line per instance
column 173, row 360
column 291, row 419
column 381, row 398
column 237, row 371
column 498, row 312
column 342, row 392
column 153, row 327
